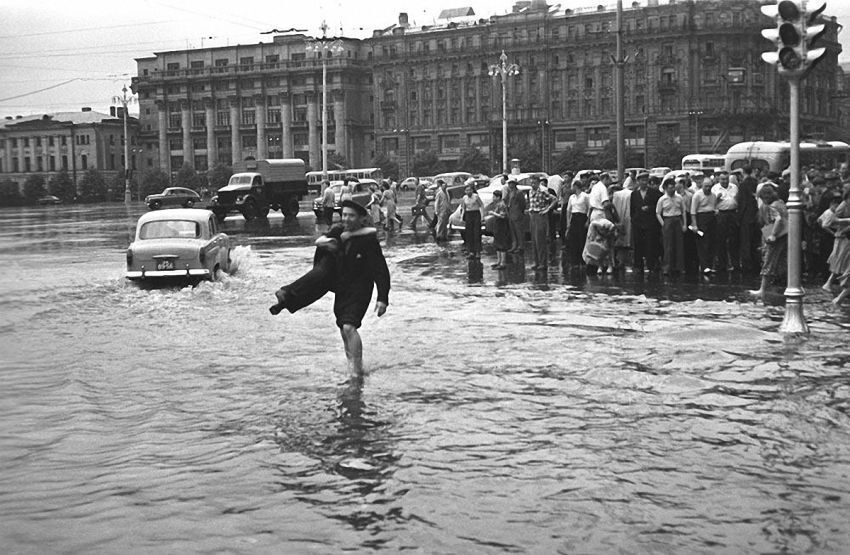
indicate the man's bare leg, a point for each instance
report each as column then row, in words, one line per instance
column 353, row 349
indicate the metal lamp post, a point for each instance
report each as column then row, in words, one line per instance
column 503, row 69
column 124, row 101
column 324, row 46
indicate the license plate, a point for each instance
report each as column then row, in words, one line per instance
column 165, row 265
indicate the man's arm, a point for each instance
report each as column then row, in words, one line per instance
column 381, row 274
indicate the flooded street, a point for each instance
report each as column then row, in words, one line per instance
column 502, row 413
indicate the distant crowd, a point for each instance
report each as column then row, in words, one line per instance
column 690, row 223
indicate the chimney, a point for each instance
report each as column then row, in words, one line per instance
column 402, row 19
column 9, row 117
column 112, row 111
column 86, row 109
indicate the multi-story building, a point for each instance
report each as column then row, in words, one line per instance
column 226, row 104
column 694, row 78
column 73, row 141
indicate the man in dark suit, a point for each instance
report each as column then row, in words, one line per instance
column 646, row 232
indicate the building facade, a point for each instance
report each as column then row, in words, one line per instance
column 73, row 141
column 694, row 79
column 221, row 105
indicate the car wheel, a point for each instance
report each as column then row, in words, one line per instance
column 154, row 205
column 189, row 203
column 249, row 211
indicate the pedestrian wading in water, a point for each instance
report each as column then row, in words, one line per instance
column 348, row 261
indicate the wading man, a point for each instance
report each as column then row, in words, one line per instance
column 361, row 266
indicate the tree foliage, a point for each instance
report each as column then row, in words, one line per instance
column 34, row 187
column 388, row 167
column 668, row 154
column 92, row 187
column 426, row 163
column 153, row 181
column 187, row 177
column 219, row 175
column 337, row 161
column 10, row 194
column 528, row 155
column 572, row 159
column 473, row 161
column 61, row 186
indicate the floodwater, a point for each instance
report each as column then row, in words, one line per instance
column 502, row 412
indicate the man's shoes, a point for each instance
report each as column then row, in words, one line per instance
column 494, row 266
column 706, row 271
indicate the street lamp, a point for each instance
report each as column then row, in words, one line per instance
column 503, row 69
column 123, row 100
column 325, row 46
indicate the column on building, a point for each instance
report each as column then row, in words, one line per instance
column 286, row 124
column 313, row 130
column 340, row 142
column 186, row 123
column 434, row 91
column 477, row 100
column 235, row 145
column 450, row 100
column 463, row 99
column 164, row 148
column 420, row 95
column 262, row 142
column 209, row 118
column 7, row 156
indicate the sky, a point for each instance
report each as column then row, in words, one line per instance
column 61, row 55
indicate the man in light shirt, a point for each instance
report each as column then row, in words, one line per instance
column 727, row 237
column 704, row 218
column 672, row 215
column 598, row 197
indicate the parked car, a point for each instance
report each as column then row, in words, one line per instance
column 171, row 197
column 178, row 243
column 360, row 194
column 486, row 195
column 659, row 172
column 48, row 200
column 409, row 184
column 582, row 173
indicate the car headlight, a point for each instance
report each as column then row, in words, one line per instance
column 240, row 198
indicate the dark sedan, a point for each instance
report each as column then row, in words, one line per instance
column 173, row 196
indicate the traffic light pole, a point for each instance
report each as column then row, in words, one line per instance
column 794, row 321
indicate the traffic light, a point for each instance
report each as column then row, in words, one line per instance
column 795, row 36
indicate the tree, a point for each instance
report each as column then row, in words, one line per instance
column 668, row 154
column 572, row 159
column 473, row 161
column 388, row 167
column 34, row 187
column 337, row 161
column 10, row 194
column 188, row 177
column 219, row 175
column 426, row 163
column 60, row 185
column 153, row 181
column 117, row 186
column 528, row 155
column 92, row 186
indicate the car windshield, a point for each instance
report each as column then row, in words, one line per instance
column 170, row 229
column 240, row 180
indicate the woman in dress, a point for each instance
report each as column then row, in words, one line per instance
column 501, row 233
column 389, row 207
column 471, row 210
column 578, row 207
column 374, row 206
column 774, row 238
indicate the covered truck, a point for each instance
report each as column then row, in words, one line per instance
column 258, row 186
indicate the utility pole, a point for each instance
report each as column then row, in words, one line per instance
column 124, row 101
column 323, row 47
column 619, row 93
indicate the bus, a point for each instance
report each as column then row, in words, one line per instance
column 703, row 162
column 776, row 156
column 314, row 179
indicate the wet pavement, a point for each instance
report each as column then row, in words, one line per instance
column 504, row 410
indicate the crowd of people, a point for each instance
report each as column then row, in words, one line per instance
column 694, row 223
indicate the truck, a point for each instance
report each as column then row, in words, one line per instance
column 258, row 186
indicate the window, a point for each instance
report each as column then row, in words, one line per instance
column 38, row 141
column 449, row 144
column 64, row 162
column 272, row 58
column 26, row 142
column 597, row 137
column 300, row 139
column 199, row 143
column 84, row 161
column 197, row 64
column 249, row 141
column 634, row 135
column 221, row 62
column 389, row 145
column 171, row 66
column 565, row 138
column 175, row 144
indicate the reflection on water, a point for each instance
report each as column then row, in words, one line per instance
column 504, row 410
